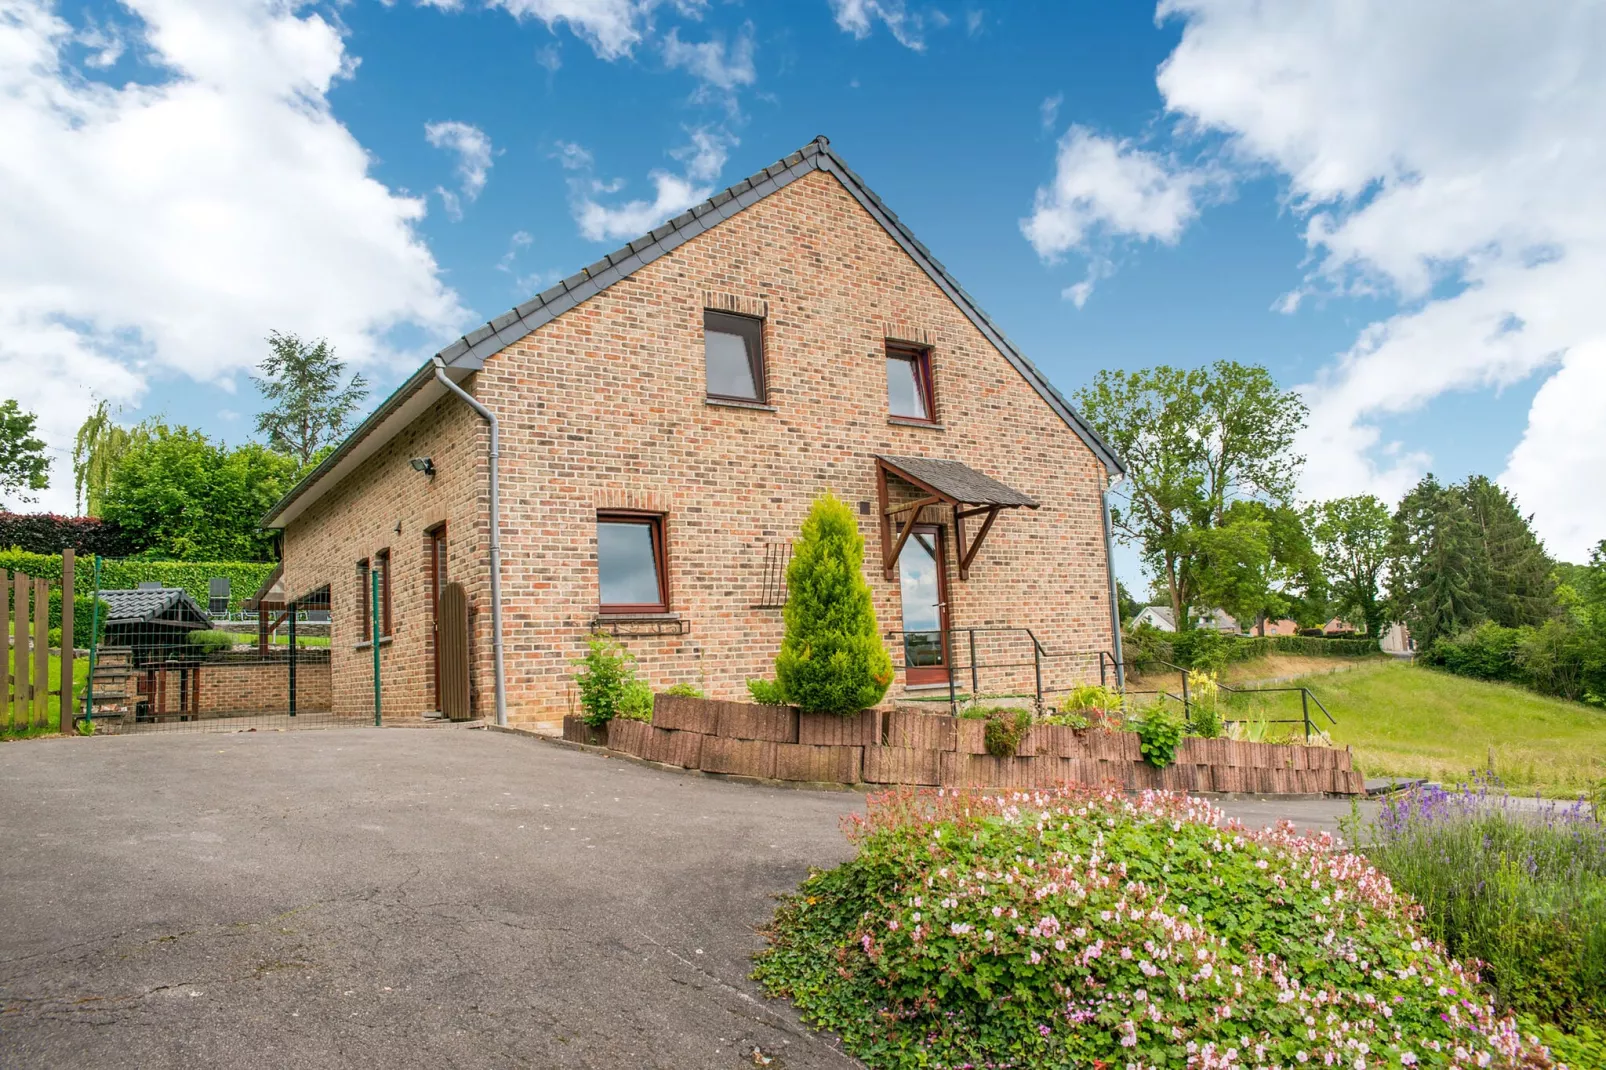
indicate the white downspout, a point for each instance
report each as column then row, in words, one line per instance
column 496, row 538
column 1115, row 594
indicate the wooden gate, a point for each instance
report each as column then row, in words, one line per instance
column 25, row 686
column 453, row 639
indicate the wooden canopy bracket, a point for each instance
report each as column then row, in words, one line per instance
column 905, row 529
column 967, row 554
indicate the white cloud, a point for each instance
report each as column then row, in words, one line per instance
column 1049, row 111
column 170, row 225
column 1105, row 188
column 1448, row 155
column 105, row 43
column 858, row 17
column 710, row 62
column 612, row 28
column 474, row 156
column 703, row 159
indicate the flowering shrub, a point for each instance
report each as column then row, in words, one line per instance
column 1086, row 928
column 1005, row 730
column 1519, row 886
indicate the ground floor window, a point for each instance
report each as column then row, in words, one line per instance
column 632, row 563
column 364, row 605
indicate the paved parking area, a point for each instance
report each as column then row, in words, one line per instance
column 364, row 898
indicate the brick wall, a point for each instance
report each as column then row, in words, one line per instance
column 605, row 407
column 230, row 687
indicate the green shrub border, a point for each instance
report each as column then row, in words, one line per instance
column 118, row 573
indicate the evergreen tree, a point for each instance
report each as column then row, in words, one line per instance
column 1437, row 568
column 311, row 409
column 832, row 659
column 1518, row 585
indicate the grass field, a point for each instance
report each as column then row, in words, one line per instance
column 80, row 674
column 1404, row 720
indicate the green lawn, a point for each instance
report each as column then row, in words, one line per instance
column 80, row 675
column 1403, row 720
column 281, row 639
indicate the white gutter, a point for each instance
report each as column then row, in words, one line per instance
column 496, row 538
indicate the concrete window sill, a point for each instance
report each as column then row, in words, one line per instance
column 367, row 644
column 904, row 421
column 733, row 403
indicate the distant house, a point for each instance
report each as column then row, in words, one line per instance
column 1160, row 617
column 1335, row 626
column 1397, row 641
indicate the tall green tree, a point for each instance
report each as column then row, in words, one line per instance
column 23, row 464
column 1352, row 535
column 1518, row 583
column 188, row 498
column 1258, row 563
column 96, row 449
column 1436, row 564
column 309, row 409
column 1196, row 441
column 832, row 659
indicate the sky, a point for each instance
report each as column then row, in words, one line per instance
column 1396, row 208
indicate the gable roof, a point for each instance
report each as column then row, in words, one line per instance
column 467, row 355
column 170, row 605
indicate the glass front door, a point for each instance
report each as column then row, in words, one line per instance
column 923, row 578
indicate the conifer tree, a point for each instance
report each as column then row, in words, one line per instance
column 1518, row 587
column 1437, row 570
column 832, row 659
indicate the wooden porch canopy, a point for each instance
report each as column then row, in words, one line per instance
column 969, row 492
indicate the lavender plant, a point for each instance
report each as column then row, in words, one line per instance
column 1516, row 884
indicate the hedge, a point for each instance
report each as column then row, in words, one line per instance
column 50, row 533
column 122, row 573
column 1204, row 648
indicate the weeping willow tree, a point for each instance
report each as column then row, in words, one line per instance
column 98, row 446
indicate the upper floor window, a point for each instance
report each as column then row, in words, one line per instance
column 909, row 392
column 733, row 350
column 631, row 563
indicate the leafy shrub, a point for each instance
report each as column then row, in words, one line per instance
column 1005, row 731
column 1521, row 890
column 1145, row 648
column 1159, row 732
column 1565, row 657
column 606, row 672
column 832, row 659
column 685, row 690
column 766, row 692
column 1066, row 720
column 50, row 533
column 1204, row 649
column 1095, row 705
column 1487, row 652
column 1086, row 928
column 210, row 642
column 635, row 701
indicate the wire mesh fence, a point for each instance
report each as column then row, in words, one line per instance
column 161, row 660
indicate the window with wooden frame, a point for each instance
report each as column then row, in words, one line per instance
column 909, row 384
column 632, row 563
column 382, row 563
column 733, row 355
column 365, row 610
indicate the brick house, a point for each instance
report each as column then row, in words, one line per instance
column 666, row 417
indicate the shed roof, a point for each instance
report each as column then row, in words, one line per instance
column 467, row 355
column 168, row 605
column 957, row 481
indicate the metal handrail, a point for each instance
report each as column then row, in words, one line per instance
column 1306, row 697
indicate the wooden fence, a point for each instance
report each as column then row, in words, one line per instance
column 25, row 687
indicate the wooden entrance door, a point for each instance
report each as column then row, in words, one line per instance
column 436, row 566
column 923, row 581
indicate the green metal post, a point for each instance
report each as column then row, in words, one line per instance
column 373, row 633
column 94, row 645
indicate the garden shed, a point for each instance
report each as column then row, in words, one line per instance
column 151, row 622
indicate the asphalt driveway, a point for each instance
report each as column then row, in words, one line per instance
column 357, row 898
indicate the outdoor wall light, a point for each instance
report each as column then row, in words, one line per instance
column 424, row 465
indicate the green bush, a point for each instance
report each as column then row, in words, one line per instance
column 635, row 701
column 685, row 690
column 1562, row 657
column 1066, row 720
column 1159, row 732
column 1086, row 928
column 766, row 692
column 126, row 573
column 606, row 672
column 832, row 659
column 1005, row 731
column 209, row 642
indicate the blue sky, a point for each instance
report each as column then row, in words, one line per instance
column 1353, row 202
